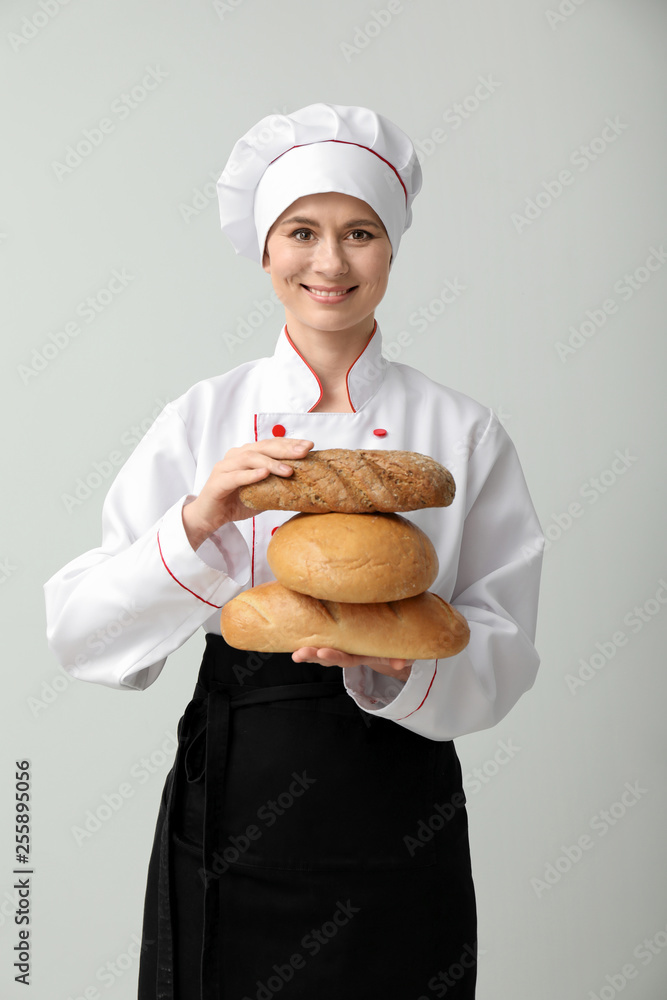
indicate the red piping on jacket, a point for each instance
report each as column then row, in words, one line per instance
column 252, row 561
column 435, row 670
column 346, row 142
column 216, row 606
column 291, row 343
column 347, row 388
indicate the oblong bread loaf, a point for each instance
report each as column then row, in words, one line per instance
column 271, row 618
column 354, row 481
column 355, row 558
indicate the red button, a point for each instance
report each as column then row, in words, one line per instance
column 380, row 432
column 279, row 431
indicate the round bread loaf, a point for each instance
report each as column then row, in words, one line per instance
column 271, row 618
column 355, row 558
column 354, row 481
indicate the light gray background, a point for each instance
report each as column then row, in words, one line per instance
column 556, row 78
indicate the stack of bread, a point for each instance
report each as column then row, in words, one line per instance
column 351, row 573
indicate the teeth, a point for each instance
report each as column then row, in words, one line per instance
column 326, row 294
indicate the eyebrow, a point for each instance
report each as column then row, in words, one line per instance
column 311, row 222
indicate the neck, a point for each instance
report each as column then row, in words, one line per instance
column 331, row 354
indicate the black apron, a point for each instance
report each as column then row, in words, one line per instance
column 304, row 847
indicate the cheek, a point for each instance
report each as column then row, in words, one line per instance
column 290, row 266
column 379, row 267
column 380, row 278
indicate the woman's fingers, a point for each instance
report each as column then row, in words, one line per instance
column 269, row 454
column 218, row 500
column 329, row 657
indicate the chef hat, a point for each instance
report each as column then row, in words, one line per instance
column 322, row 147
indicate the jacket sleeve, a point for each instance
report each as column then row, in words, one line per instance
column 116, row 612
column 496, row 590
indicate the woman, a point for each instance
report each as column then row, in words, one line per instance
column 312, row 836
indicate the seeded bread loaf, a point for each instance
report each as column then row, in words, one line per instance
column 354, row 481
column 271, row 618
column 356, row 558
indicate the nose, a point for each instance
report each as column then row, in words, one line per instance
column 329, row 257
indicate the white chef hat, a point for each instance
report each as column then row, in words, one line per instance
column 322, row 147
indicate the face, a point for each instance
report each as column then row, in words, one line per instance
column 334, row 243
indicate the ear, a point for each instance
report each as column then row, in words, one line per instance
column 266, row 262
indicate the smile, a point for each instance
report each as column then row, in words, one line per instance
column 330, row 295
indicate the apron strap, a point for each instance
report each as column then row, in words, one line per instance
column 220, row 699
column 217, row 741
column 165, row 954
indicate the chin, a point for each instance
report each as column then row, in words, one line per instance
column 333, row 321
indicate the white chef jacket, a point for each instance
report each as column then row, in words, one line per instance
column 115, row 613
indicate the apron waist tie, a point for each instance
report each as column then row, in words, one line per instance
column 220, row 699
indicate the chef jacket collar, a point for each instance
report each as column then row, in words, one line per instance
column 295, row 382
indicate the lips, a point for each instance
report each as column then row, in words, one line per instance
column 324, row 293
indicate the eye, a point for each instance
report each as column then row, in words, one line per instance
column 362, row 233
column 298, row 232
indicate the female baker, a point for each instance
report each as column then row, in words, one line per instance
column 312, row 836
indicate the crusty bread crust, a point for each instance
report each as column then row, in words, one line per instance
column 271, row 618
column 354, row 481
column 355, row 558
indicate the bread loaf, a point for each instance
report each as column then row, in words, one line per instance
column 355, row 558
column 354, row 481
column 271, row 618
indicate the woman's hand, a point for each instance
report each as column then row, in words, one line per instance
column 219, row 502
column 328, row 657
